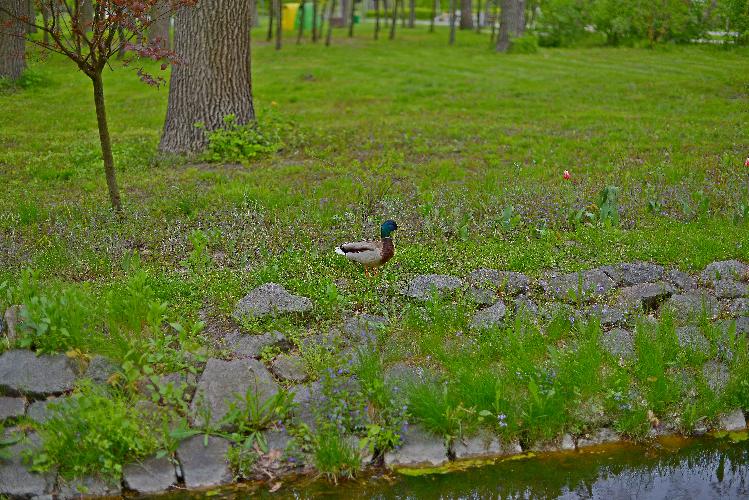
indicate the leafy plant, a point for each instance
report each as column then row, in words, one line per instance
column 608, row 206
column 198, row 259
column 241, row 143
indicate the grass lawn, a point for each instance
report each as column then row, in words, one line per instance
column 463, row 147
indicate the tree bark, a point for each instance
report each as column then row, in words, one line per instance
column 106, row 141
column 255, row 14
column 279, row 23
column 411, row 13
column 434, row 15
column 314, row 20
column 478, row 17
column 161, row 23
column 511, row 23
column 12, row 45
column 270, row 20
column 331, row 13
column 394, row 20
column 86, row 14
column 32, row 16
column 214, row 38
column 352, row 14
column 466, row 15
column 452, row 22
column 301, row 23
column 377, row 19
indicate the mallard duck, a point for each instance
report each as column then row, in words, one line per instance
column 371, row 254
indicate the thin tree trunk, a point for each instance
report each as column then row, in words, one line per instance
column 32, row 17
column 301, row 23
column 314, row 20
column 466, row 15
column 255, row 14
column 377, row 19
column 402, row 11
column 394, row 20
column 279, row 24
column 494, row 20
column 512, row 23
column 330, row 23
column 106, row 142
column 411, row 13
column 478, row 17
column 12, row 44
column 452, row 22
column 351, row 20
column 269, row 37
column 386, row 12
column 215, row 82
column 434, row 15
column 159, row 28
column 46, row 20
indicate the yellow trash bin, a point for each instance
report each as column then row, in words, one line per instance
column 288, row 16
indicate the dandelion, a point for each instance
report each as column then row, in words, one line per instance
column 567, row 176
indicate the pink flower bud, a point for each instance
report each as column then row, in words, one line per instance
column 746, row 163
column 567, row 175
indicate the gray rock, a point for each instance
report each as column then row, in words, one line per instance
column 225, row 381
column 418, row 448
column 204, row 466
column 153, row 475
column 11, row 317
column 524, row 305
column 742, row 325
column 681, row 280
column 738, row 307
column 601, row 436
column 23, row 372
column 609, row 315
column 567, row 287
column 252, row 346
column 716, row 375
column 507, row 282
column 331, row 340
column 100, row 369
column 401, row 373
column 482, row 296
column 690, row 305
column 271, row 298
column 568, row 443
column 730, row 289
column 645, row 297
column 691, row 338
column 619, row 343
column 16, row 480
column 423, row 286
column 88, row 486
column 40, row 412
column 289, row 368
column 731, row 269
column 305, row 398
column 483, row 445
column 490, row 317
column 276, row 440
column 733, row 421
column 636, row 273
column 11, row 407
column 364, row 327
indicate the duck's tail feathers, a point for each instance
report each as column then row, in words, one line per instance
column 339, row 251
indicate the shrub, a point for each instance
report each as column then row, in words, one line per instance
column 242, row 143
column 527, row 44
column 93, row 432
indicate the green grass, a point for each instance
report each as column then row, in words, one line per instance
column 442, row 139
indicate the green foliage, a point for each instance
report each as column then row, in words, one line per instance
column 243, row 143
column 526, row 44
column 198, row 260
column 335, row 456
column 94, row 432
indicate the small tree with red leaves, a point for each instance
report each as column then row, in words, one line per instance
column 92, row 41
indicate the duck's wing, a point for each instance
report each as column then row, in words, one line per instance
column 364, row 252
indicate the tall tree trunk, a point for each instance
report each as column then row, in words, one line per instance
column 511, row 23
column 214, row 82
column 394, row 20
column 106, row 141
column 478, row 17
column 46, row 19
column 12, row 45
column 301, row 23
column 377, row 19
column 279, row 23
column 411, row 13
column 352, row 15
column 314, row 20
column 434, row 15
column 269, row 37
column 494, row 20
column 255, row 14
column 161, row 23
column 32, row 16
column 452, row 22
column 466, row 15
column 386, row 12
column 331, row 12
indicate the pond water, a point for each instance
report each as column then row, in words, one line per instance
column 669, row 469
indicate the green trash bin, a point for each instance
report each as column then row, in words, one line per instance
column 308, row 15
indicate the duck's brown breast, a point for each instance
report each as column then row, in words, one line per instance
column 388, row 250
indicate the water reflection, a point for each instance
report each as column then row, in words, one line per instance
column 701, row 469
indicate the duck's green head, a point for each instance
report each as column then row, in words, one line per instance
column 387, row 228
